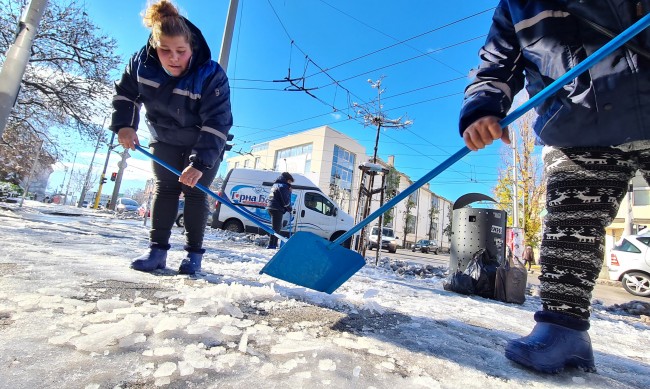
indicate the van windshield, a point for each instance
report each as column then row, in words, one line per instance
column 387, row 232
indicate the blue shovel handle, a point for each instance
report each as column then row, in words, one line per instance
column 203, row 189
column 583, row 66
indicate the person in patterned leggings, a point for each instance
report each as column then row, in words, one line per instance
column 596, row 132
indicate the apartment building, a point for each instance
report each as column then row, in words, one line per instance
column 634, row 208
column 331, row 159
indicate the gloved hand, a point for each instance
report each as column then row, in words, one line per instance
column 289, row 208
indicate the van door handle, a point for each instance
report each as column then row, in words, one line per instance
column 302, row 213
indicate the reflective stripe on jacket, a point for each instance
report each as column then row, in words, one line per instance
column 542, row 40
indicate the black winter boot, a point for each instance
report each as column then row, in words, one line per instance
column 557, row 341
column 192, row 263
column 156, row 258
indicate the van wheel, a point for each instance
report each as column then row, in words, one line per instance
column 180, row 221
column 233, row 225
column 348, row 242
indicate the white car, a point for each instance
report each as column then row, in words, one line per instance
column 629, row 263
column 126, row 205
column 389, row 241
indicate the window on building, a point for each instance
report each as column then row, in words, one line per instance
column 319, row 203
column 258, row 161
column 260, row 147
column 342, row 174
column 236, row 165
column 641, row 197
column 294, row 159
column 413, row 197
column 410, row 222
column 247, row 163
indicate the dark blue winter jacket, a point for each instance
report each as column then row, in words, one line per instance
column 190, row 110
column 538, row 41
column 280, row 197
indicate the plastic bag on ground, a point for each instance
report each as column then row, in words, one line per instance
column 511, row 280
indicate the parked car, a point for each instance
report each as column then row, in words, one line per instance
column 629, row 263
column 126, row 205
column 389, row 241
column 180, row 219
column 425, row 246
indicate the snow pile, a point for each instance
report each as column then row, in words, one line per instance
column 72, row 314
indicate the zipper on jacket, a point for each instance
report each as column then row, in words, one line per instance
column 639, row 10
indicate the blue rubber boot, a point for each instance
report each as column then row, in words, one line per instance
column 191, row 264
column 155, row 259
column 557, row 341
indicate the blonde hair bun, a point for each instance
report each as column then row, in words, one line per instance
column 163, row 18
column 157, row 12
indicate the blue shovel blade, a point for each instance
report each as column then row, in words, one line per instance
column 313, row 262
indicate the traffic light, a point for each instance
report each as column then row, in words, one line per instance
column 227, row 147
column 103, row 180
column 113, row 176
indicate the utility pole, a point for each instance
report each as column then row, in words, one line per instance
column 17, row 58
column 90, row 169
column 628, row 228
column 31, row 172
column 102, row 178
column 118, row 181
column 373, row 115
column 67, row 189
column 65, row 174
column 226, row 42
column 515, row 191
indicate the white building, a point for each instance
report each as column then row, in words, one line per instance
column 430, row 212
column 331, row 160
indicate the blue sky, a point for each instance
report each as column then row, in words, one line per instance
column 422, row 49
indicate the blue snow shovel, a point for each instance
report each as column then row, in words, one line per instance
column 313, row 262
column 222, row 199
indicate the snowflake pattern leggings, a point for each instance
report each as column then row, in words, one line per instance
column 585, row 187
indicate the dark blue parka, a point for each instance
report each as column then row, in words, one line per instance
column 280, row 196
column 538, row 41
column 190, row 110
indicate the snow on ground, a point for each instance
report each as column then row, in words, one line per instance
column 73, row 315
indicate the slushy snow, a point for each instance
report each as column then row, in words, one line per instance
column 74, row 315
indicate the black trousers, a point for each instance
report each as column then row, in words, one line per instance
column 585, row 187
column 164, row 207
column 276, row 222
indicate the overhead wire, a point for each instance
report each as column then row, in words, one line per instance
column 387, row 35
column 338, row 82
column 403, row 41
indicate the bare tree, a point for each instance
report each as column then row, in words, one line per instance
column 18, row 151
column 67, row 83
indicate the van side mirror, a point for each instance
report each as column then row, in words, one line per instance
column 334, row 211
column 397, row 238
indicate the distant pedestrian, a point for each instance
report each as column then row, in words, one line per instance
column 529, row 257
column 108, row 204
column 187, row 100
column 278, row 204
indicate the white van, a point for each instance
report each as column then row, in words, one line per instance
column 389, row 241
column 312, row 211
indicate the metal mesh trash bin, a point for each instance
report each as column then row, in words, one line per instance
column 474, row 229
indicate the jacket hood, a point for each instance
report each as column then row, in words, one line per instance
column 200, row 49
column 284, row 178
